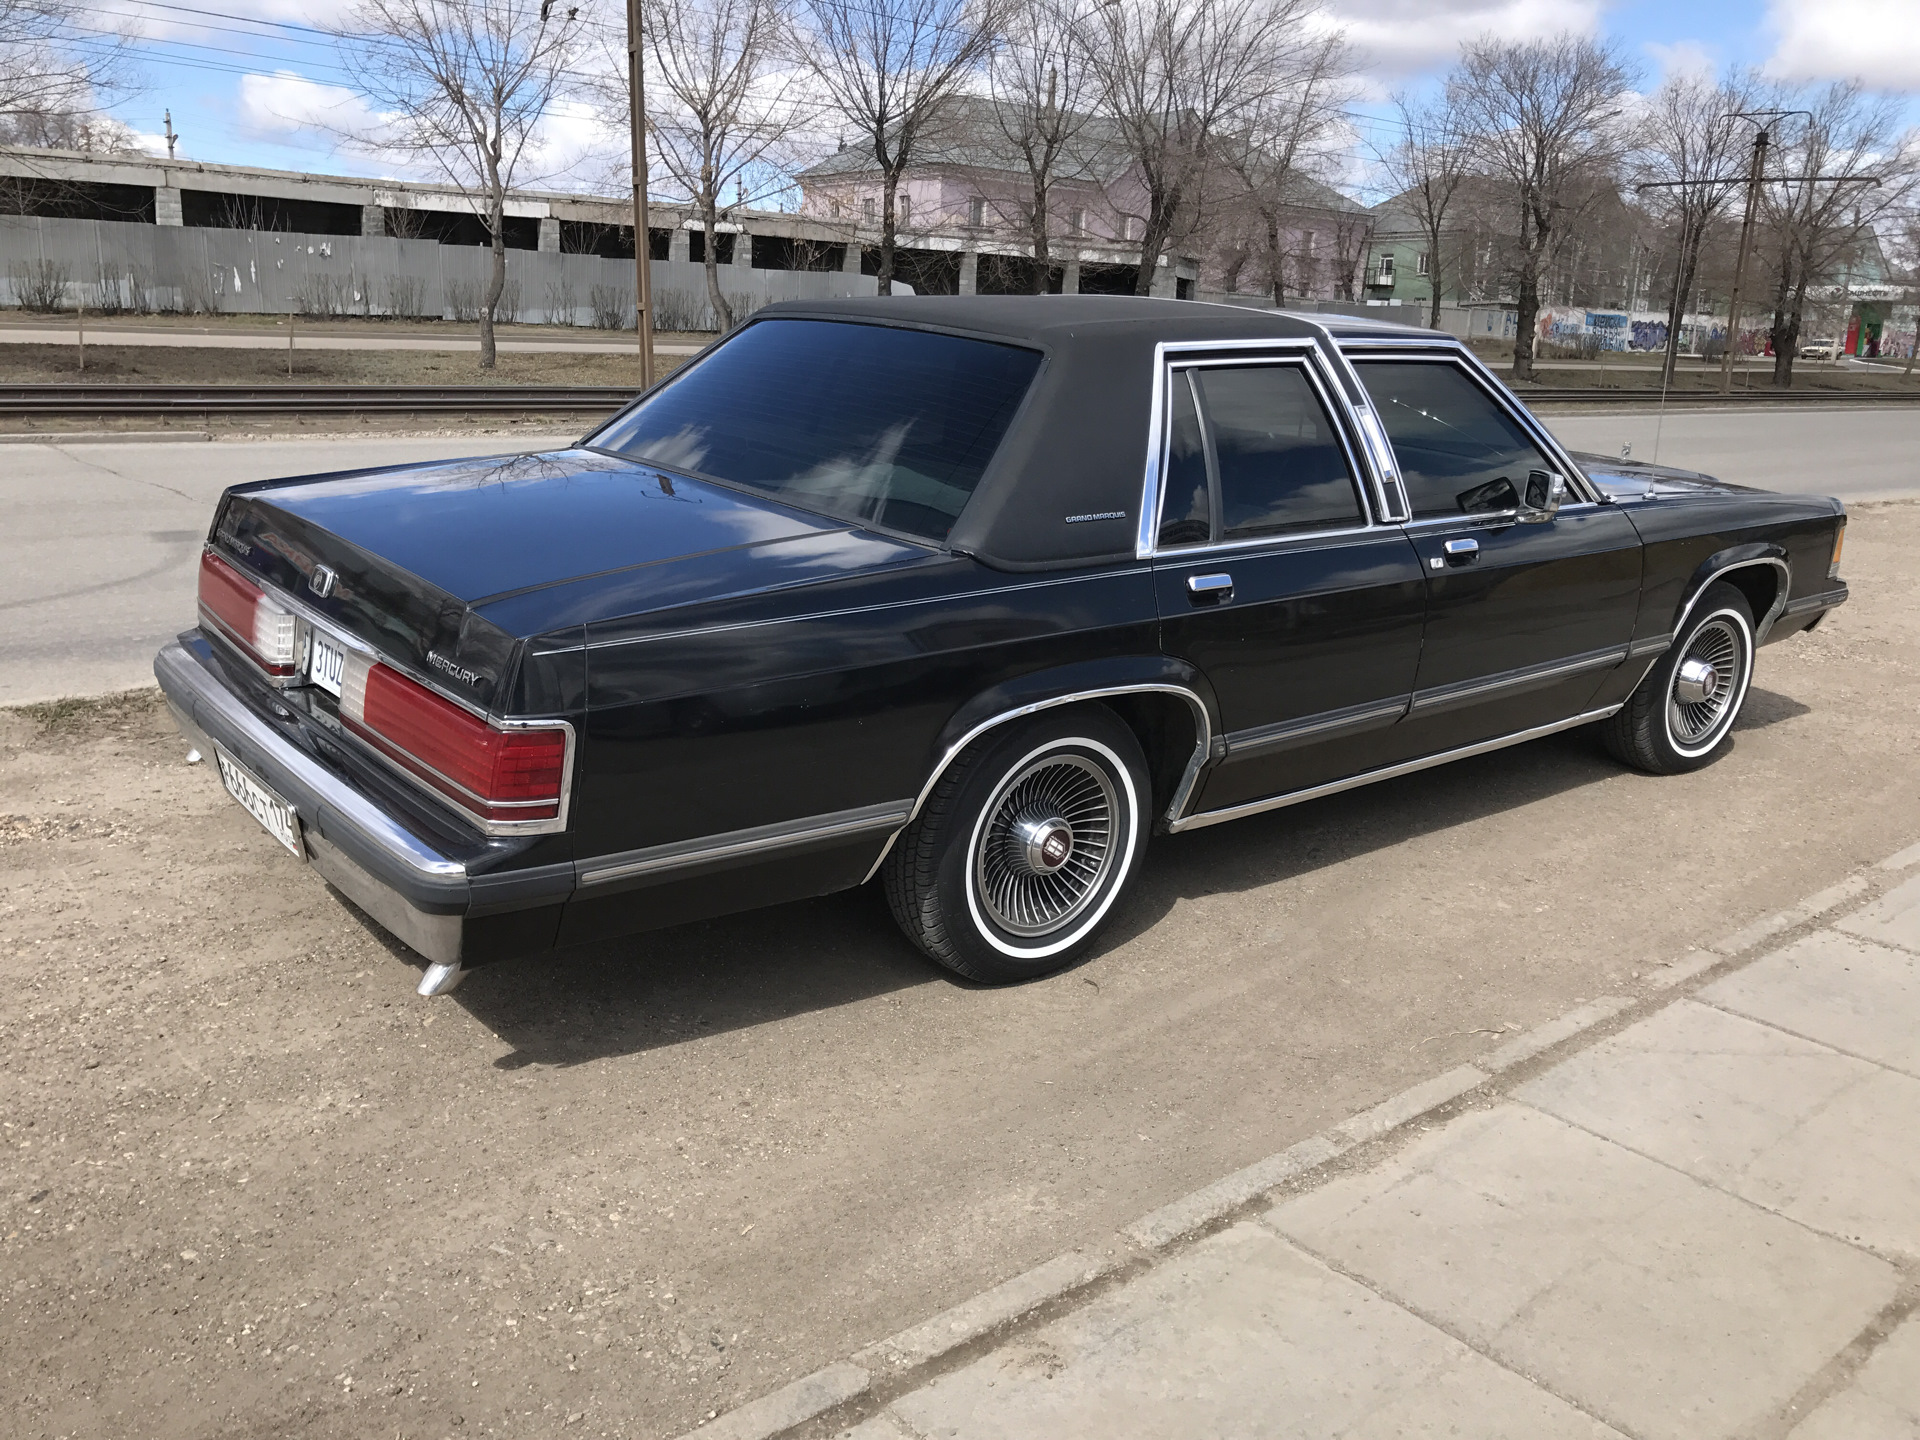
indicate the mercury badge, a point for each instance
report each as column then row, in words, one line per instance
column 322, row 580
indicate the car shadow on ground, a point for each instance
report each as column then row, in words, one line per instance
column 692, row 981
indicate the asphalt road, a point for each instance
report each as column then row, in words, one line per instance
column 98, row 545
column 1857, row 454
column 98, row 542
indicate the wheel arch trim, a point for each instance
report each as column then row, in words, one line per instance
column 1183, row 789
column 1723, row 563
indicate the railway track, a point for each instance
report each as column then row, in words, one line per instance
column 196, row 401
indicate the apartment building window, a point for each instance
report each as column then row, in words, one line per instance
column 1420, row 268
column 1384, row 276
column 869, row 210
column 977, row 210
column 903, row 208
column 1077, row 221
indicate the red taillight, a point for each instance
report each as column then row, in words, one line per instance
column 241, row 609
column 496, row 774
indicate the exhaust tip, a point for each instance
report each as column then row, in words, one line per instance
column 440, row 980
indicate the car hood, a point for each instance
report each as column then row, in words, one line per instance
column 1636, row 479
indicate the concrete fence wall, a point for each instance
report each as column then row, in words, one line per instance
column 110, row 266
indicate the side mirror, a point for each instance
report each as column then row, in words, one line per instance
column 1546, row 493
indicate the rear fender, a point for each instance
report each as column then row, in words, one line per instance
column 1130, row 684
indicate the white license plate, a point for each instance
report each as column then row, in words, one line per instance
column 326, row 661
column 275, row 815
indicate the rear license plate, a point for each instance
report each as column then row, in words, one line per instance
column 275, row 815
column 326, row 661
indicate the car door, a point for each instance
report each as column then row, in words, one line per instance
column 1271, row 577
column 1529, row 605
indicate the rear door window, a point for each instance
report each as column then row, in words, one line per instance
column 1260, row 437
column 867, row 423
column 1460, row 452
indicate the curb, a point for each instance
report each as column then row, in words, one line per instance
column 893, row 1360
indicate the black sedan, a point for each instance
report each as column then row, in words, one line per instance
column 971, row 595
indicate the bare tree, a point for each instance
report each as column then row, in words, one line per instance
column 886, row 67
column 1292, row 138
column 46, row 78
column 1427, row 164
column 718, row 107
column 1175, row 78
column 1692, row 145
column 1040, row 84
column 464, row 88
column 1854, row 169
column 1546, row 117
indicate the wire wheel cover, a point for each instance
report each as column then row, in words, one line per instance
column 1706, row 683
column 1028, row 886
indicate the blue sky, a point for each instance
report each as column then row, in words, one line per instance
column 246, row 86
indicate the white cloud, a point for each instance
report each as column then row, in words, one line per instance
column 1876, row 41
column 1683, row 58
column 285, row 105
column 1397, row 38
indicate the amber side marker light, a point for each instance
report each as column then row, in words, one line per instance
column 1839, row 544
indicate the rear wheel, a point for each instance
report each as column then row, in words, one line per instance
column 1025, row 844
column 1680, row 716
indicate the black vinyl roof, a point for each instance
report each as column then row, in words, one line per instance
column 1078, row 447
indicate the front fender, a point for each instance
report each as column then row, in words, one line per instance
column 1752, row 567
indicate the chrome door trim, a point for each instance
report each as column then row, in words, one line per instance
column 1467, row 692
column 735, row 844
column 1649, row 645
column 1441, row 352
column 1297, row 349
column 1202, row 747
column 1390, row 772
column 1283, row 735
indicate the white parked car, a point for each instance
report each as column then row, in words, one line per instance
column 1817, row 350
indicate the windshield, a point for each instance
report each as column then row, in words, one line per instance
column 868, row 423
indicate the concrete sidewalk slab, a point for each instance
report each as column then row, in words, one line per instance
column 1240, row 1336
column 1893, row 919
column 1881, row 1402
column 1786, row 1123
column 1668, row 1308
column 1851, row 994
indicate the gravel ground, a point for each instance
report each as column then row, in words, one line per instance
column 251, row 1186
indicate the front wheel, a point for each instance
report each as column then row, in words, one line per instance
column 1680, row 716
column 1023, row 847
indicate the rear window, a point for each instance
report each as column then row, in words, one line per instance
column 868, row 423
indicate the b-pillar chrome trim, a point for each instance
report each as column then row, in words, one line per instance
column 1390, row 772
column 1202, row 748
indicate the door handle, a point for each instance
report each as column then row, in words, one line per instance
column 1462, row 552
column 1209, row 589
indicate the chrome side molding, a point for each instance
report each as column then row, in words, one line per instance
column 1390, row 772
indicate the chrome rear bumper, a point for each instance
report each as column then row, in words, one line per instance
column 411, row 889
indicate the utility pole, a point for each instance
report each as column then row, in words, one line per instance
column 642, row 245
column 1740, row 265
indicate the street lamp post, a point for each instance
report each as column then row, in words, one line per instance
column 642, row 247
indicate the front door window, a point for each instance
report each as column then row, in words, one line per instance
column 1460, row 453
